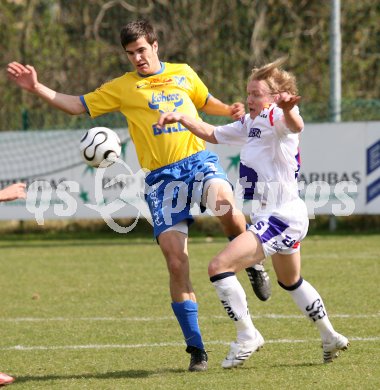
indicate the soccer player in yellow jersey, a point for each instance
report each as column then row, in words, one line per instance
column 182, row 171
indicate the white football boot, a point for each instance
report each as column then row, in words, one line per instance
column 240, row 352
column 332, row 347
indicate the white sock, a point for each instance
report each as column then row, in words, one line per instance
column 234, row 301
column 311, row 304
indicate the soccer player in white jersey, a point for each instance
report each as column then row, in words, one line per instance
column 269, row 137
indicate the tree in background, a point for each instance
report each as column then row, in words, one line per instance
column 75, row 45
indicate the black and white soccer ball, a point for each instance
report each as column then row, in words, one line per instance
column 100, row 147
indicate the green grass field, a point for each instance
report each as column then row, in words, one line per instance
column 95, row 314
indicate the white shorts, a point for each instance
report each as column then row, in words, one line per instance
column 282, row 229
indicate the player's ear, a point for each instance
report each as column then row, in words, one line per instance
column 155, row 46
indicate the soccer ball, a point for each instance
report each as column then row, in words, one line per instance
column 100, row 147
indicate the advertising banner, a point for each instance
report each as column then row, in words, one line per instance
column 339, row 175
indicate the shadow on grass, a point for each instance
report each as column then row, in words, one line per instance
column 106, row 375
column 302, row 365
column 56, row 243
column 78, row 243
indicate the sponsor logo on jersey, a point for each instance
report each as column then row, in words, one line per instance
column 154, row 82
column 180, row 81
column 168, row 129
column 165, row 102
column 254, row 132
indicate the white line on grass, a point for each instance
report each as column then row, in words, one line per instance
column 169, row 318
column 152, row 345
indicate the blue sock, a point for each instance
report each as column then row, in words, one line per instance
column 187, row 316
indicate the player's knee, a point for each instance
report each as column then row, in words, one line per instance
column 212, row 268
column 177, row 265
column 216, row 265
column 225, row 201
column 220, row 199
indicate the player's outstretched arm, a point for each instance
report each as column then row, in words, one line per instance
column 25, row 76
column 216, row 107
column 200, row 129
column 293, row 120
column 12, row 192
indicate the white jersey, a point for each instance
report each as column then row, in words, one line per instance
column 269, row 164
column 269, row 158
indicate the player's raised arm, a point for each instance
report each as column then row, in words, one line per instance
column 214, row 106
column 200, row 129
column 26, row 78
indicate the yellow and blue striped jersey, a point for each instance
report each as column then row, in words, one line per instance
column 176, row 87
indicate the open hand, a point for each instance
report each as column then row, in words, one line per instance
column 286, row 101
column 24, row 76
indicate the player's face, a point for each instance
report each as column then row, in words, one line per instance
column 258, row 95
column 143, row 56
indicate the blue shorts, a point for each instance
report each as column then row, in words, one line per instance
column 172, row 190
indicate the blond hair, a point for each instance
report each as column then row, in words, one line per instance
column 278, row 80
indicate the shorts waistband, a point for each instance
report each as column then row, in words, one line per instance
column 190, row 158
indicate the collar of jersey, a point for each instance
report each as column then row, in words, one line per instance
column 159, row 72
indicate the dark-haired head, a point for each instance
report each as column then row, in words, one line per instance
column 135, row 30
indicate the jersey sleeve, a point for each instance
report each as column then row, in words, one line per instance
column 198, row 91
column 232, row 134
column 104, row 99
column 279, row 123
